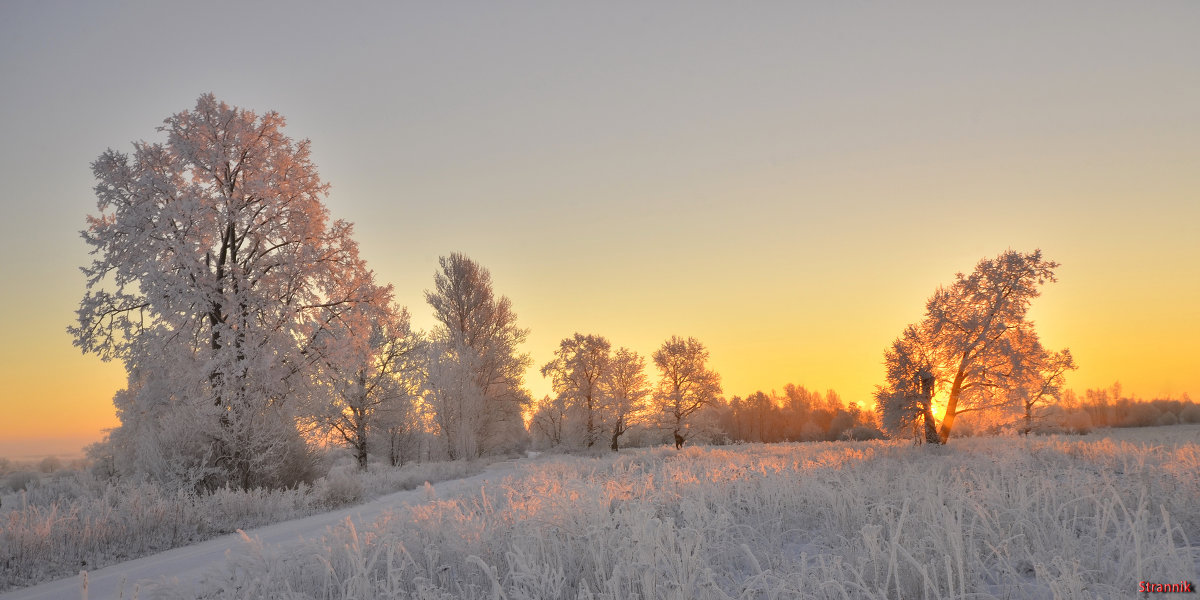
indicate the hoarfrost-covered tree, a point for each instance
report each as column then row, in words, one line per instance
column 685, row 386
column 1044, row 385
column 476, row 370
column 217, row 267
column 577, row 373
column 974, row 342
column 550, row 419
column 625, row 390
column 368, row 373
column 906, row 402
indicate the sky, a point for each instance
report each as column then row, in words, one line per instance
column 787, row 182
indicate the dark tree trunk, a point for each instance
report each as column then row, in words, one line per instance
column 360, row 454
column 931, row 433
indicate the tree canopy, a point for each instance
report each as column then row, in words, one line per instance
column 974, row 344
column 217, row 269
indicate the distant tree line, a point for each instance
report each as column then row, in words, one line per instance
column 1111, row 408
column 798, row 415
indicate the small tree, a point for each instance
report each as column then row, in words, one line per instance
column 369, row 369
column 625, row 392
column 550, row 418
column 686, row 384
column 580, row 366
column 1044, row 385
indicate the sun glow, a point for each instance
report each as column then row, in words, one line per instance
column 939, row 402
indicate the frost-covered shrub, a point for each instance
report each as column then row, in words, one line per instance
column 50, row 464
column 1077, row 422
column 63, row 486
column 1190, row 414
column 863, row 433
column 19, row 480
column 340, row 486
column 1140, row 414
column 377, row 482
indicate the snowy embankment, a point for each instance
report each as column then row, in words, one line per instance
column 181, row 568
column 982, row 518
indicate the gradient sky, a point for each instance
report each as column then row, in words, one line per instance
column 788, row 182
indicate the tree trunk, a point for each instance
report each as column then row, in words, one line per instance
column 361, row 455
column 952, row 405
column 617, row 431
column 591, row 428
column 931, row 434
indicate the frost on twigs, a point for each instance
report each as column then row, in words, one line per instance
column 975, row 349
column 217, row 274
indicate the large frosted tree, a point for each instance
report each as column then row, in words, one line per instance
column 476, row 371
column 975, row 345
column 217, row 268
column 685, row 385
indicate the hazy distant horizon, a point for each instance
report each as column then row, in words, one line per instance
column 33, row 449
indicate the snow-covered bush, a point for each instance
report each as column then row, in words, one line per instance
column 1190, row 414
column 19, row 480
column 1077, row 422
column 340, row 486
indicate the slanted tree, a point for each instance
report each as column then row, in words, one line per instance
column 476, row 371
column 686, row 384
column 974, row 342
column 217, row 267
column 577, row 373
column 625, row 390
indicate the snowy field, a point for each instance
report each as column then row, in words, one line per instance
column 1046, row 517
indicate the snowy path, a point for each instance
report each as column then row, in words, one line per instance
column 188, row 563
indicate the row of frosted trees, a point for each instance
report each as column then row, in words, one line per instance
column 251, row 330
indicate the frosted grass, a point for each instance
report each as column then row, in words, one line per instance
column 982, row 518
column 68, row 524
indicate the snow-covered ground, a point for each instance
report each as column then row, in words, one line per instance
column 1044, row 517
column 982, row 518
column 183, row 567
